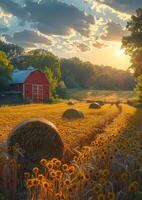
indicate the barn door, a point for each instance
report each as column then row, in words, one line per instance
column 34, row 93
column 40, row 93
column 37, row 93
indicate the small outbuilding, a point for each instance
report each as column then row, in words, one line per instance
column 31, row 83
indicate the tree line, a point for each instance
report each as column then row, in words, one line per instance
column 79, row 74
column 133, row 47
column 62, row 73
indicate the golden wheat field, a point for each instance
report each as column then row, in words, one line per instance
column 71, row 131
column 106, row 95
column 107, row 167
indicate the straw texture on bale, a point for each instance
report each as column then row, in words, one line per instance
column 73, row 114
column 39, row 139
column 94, row 106
column 70, row 103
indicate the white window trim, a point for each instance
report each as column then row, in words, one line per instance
column 38, row 89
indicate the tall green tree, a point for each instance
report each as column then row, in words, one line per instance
column 138, row 88
column 52, row 80
column 40, row 59
column 12, row 51
column 133, row 42
column 79, row 74
column 5, row 71
column 133, row 46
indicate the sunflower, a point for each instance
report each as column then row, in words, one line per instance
column 111, row 196
column 35, row 170
column 133, row 186
column 101, row 196
column 124, row 176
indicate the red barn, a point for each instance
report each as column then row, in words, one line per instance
column 31, row 83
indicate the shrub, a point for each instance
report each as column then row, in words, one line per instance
column 27, row 101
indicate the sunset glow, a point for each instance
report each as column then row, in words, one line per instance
column 120, row 53
column 91, row 30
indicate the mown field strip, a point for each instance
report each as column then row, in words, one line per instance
column 109, row 168
column 72, row 132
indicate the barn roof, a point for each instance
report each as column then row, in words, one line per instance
column 19, row 76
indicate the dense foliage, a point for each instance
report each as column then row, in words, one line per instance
column 11, row 50
column 5, row 70
column 78, row 74
column 133, row 42
column 133, row 47
column 138, row 88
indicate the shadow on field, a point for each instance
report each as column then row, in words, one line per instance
column 128, row 162
column 134, row 122
column 70, row 153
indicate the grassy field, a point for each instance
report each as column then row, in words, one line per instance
column 74, row 133
column 108, row 169
column 104, row 95
column 106, row 166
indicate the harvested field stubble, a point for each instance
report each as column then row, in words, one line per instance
column 94, row 106
column 72, row 132
column 108, row 169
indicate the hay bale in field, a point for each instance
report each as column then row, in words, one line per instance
column 70, row 103
column 98, row 101
column 73, row 114
column 94, row 106
column 101, row 103
column 39, row 139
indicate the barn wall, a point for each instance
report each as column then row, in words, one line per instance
column 37, row 78
column 10, row 98
column 18, row 87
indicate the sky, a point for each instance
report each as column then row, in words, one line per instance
column 89, row 29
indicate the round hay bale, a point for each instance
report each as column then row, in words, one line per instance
column 38, row 138
column 94, row 106
column 70, row 103
column 73, row 114
column 100, row 102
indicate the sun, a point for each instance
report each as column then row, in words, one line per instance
column 120, row 53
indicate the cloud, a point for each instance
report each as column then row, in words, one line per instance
column 27, row 38
column 114, row 32
column 60, row 21
column 127, row 6
column 50, row 16
column 3, row 29
column 13, row 8
column 100, row 45
column 83, row 47
column 53, row 17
